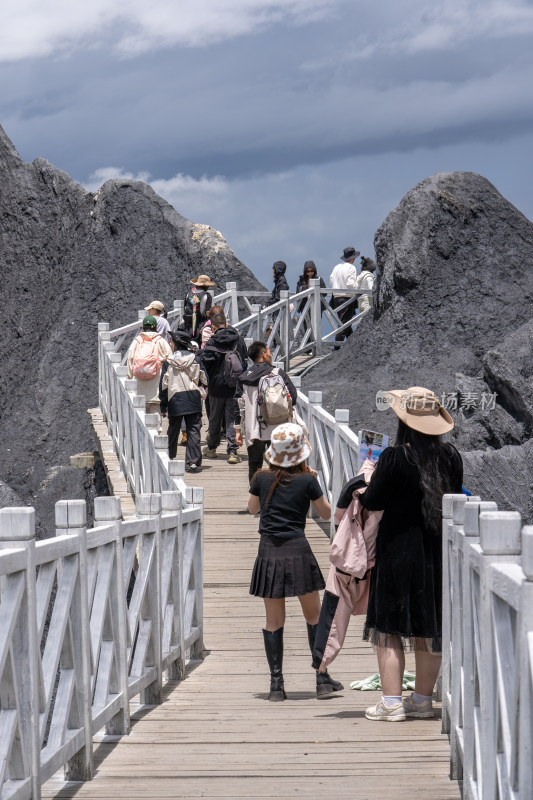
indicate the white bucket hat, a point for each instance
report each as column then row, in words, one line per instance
column 288, row 446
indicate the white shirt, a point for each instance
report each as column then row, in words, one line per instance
column 163, row 328
column 344, row 276
column 365, row 281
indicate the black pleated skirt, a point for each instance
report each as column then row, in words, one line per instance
column 285, row 568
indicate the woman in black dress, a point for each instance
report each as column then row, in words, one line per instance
column 285, row 565
column 405, row 603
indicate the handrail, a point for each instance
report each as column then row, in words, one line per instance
column 287, row 331
column 91, row 619
column 487, row 653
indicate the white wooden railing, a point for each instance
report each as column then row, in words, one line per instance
column 142, row 452
column 287, row 332
column 89, row 620
column 488, row 648
column 335, row 447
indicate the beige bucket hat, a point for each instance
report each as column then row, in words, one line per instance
column 203, row 280
column 420, row 409
column 288, row 446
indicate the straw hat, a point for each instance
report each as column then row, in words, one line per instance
column 420, row 409
column 203, row 280
column 288, row 446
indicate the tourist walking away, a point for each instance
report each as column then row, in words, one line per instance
column 198, row 301
column 273, row 388
column 285, row 565
column 157, row 309
column 145, row 355
column 365, row 280
column 280, row 281
column 310, row 273
column 405, row 601
column 224, row 358
column 181, row 390
column 344, row 276
column 207, row 330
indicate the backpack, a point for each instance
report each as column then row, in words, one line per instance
column 232, row 366
column 274, row 404
column 146, row 363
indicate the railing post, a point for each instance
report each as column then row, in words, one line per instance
column 316, row 316
column 179, row 307
column 286, row 329
column 255, row 308
column 447, row 543
column 17, row 530
column 108, row 510
column 525, row 633
column 342, row 417
column 103, row 336
column 176, row 470
column 149, row 505
column 71, row 520
column 171, row 503
column 195, row 498
column 234, row 302
column 473, row 508
column 500, row 542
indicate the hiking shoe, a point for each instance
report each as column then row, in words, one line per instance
column 207, row 453
column 234, row 459
column 380, row 711
column 423, row 710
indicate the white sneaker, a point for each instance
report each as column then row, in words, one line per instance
column 380, row 711
column 423, row 710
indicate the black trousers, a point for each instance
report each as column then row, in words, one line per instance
column 222, row 409
column 344, row 315
column 193, row 422
column 256, row 452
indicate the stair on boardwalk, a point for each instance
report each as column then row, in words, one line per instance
column 118, row 486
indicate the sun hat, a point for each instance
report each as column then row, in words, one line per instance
column 149, row 324
column 288, row 446
column 155, row 304
column 203, row 280
column 420, row 409
column 349, row 253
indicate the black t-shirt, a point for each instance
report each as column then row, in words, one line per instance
column 286, row 512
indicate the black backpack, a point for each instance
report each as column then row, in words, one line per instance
column 232, row 368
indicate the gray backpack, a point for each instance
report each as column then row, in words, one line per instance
column 274, row 404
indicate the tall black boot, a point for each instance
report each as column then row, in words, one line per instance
column 274, row 653
column 325, row 684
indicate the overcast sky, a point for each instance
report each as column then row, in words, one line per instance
column 292, row 126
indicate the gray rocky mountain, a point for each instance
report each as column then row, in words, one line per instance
column 454, row 313
column 69, row 259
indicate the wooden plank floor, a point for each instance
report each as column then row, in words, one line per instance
column 216, row 735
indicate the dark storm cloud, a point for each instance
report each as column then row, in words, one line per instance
column 275, row 98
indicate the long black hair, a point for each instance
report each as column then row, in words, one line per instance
column 432, row 457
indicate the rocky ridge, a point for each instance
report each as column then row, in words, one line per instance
column 70, row 259
column 454, row 313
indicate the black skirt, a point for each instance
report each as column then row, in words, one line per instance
column 285, row 568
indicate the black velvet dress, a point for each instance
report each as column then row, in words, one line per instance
column 405, row 603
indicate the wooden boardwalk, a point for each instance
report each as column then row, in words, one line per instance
column 216, row 736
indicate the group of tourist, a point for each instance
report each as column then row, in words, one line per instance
column 206, row 359
column 401, row 499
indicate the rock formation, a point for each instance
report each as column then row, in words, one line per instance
column 69, row 259
column 454, row 313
